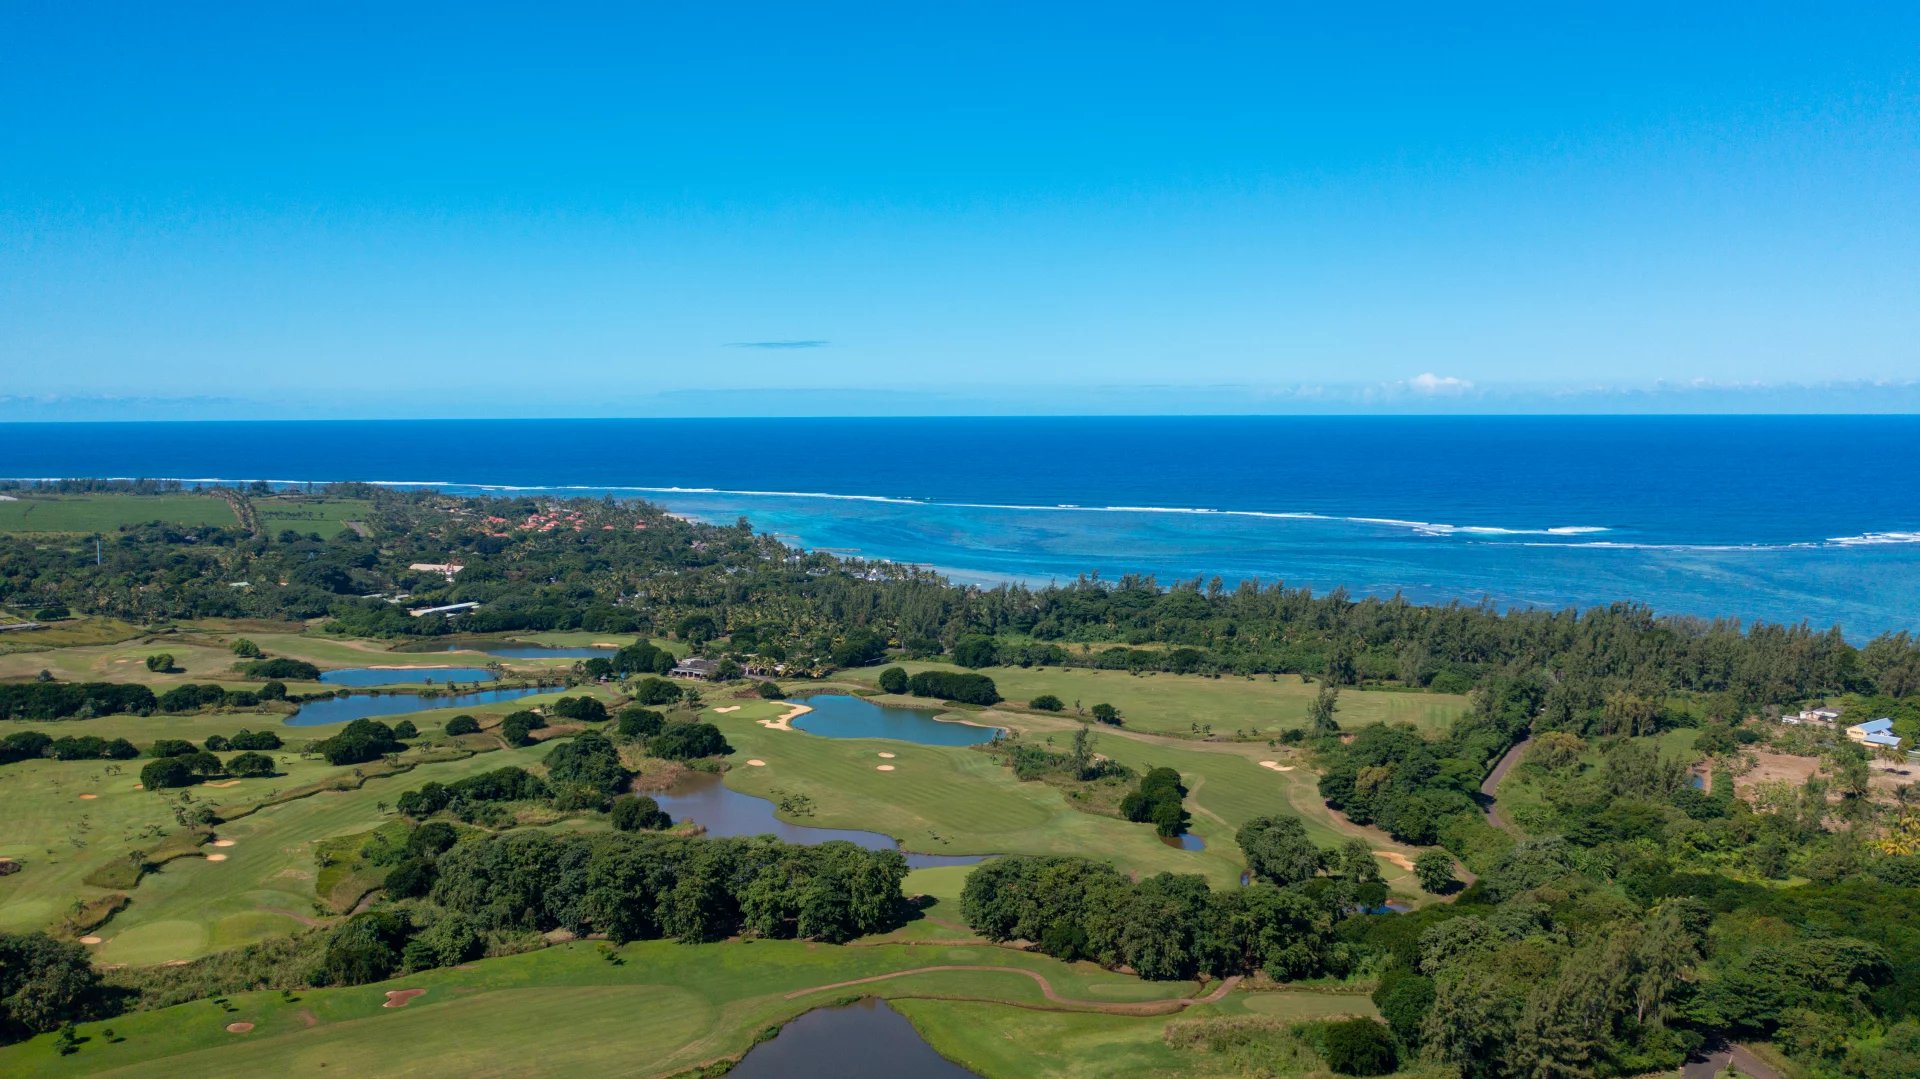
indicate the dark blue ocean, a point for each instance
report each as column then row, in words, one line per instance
column 1775, row 518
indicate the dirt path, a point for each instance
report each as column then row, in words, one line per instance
column 1490, row 788
column 1144, row 1007
column 1715, row 1062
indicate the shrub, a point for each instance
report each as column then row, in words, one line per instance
column 162, row 661
column 250, row 765
column 463, row 725
column 1360, row 1047
column 975, row 652
column 273, row 691
column 363, row 740
column 518, row 728
column 1046, row 702
column 281, row 669
column 405, row 729
column 246, row 649
column 768, row 691
column 949, row 686
column 365, row 949
column 637, row 723
column 656, row 691
column 688, row 741
column 633, row 813
column 45, row 984
column 1106, row 713
column 165, row 773
column 23, row 746
column 894, row 680
column 171, row 747
column 586, row 772
column 453, row 939
column 413, row 876
column 581, row 709
column 247, row 739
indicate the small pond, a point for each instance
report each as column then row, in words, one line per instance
column 863, row 1040
column 367, row 705
column 839, row 715
column 706, row 800
column 405, row 676
column 503, row 649
column 1184, row 841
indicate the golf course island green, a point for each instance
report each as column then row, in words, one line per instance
column 602, row 789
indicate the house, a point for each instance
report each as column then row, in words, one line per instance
column 1820, row 717
column 693, row 667
column 1877, row 733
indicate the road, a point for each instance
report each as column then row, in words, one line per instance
column 1500, row 770
column 1715, row 1062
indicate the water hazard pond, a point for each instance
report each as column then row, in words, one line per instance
column 840, row 715
column 706, row 800
column 863, row 1040
column 372, row 706
column 405, row 676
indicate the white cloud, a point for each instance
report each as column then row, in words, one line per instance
column 1435, row 385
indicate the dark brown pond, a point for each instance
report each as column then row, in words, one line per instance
column 705, row 799
column 863, row 1040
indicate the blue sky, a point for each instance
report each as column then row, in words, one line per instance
column 392, row 210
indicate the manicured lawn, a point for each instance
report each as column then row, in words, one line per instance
column 1187, row 705
column 108, row 512
column 667, row 1007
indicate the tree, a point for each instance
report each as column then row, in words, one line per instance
column 1046, row 702
column 1106, row 713
column 1360, row 1047
column 637, row 723
column 1320, row 713
column 893, row 680
column 250, row 765
column 582, row 709
column 463, row 725
column 1278, row 851
column 975, row 651
column 585, row 772
column 246, row 649
column 1434, row 870
column 165, row 773
column 768, row 691
column 45, row 984
column 361, row 741
column 518, row 727
column 405, row 729
column 688, row 741
column 656, row 691
column 162, row 661
column 634, row 813
column 171, row 747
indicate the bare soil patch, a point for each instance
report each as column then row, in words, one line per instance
column 399, row 998
column 1396, row 858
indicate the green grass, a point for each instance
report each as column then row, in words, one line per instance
column 566, row 1010
column 38, row 513
column 309, row 514
column 1175, row 704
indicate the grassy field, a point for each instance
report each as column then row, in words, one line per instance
column 951, row 800
column 309, row 514
column 30, row 513
column 1187, row 705
column 664, row 1009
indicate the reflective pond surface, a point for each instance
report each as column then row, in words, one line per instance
column 863, row 1040
column 403, row 676
column 705, row 799
column 367, row 705
column 1184, row 841
column 839, row 715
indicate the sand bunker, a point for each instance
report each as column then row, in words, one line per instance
column 883, row 767
column 239, row 1028
column 888, row 756
column 223, row 783
column 755, row 762
column 216, row 857
column 88, row 797
column 89, row 940
column 1276, row 766
column 139, row 786
column 223, row 842
column 398, row 998
column 1396, row 858
column 785, row 723
column 728, row 708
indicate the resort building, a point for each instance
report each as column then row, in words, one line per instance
column 693, row 667
column 445, row 569
column 449, row 609
column 1822, row 717
column 1877, row 733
